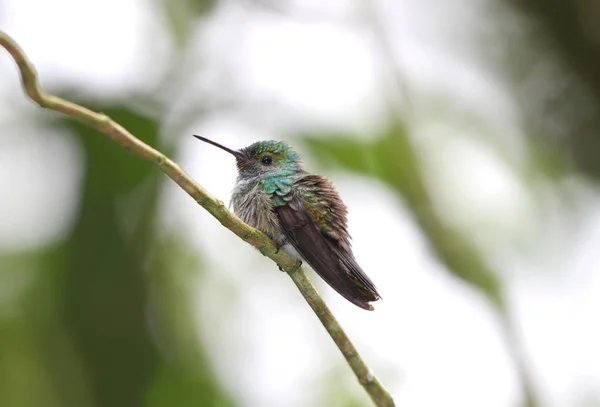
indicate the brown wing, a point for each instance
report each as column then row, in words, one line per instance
column 314, row 221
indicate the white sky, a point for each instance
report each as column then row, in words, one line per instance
column 432, row 341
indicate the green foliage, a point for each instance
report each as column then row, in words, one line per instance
column 392, row 159
column 181, row 15
column 105, row 294
column 82, row 336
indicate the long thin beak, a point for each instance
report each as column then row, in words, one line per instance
column 235, row 153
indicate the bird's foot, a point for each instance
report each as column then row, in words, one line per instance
column 296, row 266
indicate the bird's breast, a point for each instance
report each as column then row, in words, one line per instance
column 255, row 207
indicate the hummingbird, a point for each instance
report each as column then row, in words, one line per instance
column 301, row 212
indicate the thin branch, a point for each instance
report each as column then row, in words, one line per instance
column 215, row 207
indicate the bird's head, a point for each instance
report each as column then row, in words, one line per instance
column 263, row 159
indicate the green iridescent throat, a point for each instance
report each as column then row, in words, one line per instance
column 279, row 188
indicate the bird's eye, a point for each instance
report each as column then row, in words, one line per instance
column 266, row 160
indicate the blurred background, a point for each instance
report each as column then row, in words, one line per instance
column 462, row 134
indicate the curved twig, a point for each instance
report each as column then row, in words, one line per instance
column 215, row 207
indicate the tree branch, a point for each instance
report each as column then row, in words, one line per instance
column 215, row 207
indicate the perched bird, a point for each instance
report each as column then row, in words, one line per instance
column 301, row 212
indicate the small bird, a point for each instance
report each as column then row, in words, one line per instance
column 301, row 212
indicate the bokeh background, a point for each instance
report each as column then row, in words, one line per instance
column 464, row 135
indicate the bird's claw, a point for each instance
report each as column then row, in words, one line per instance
column 296, row 266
